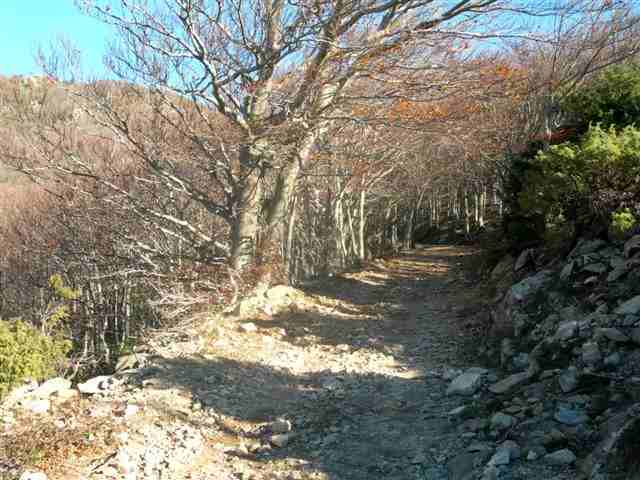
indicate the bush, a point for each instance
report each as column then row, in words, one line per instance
column 25, row 353
column 622, row 223
column 612, row 98
column 584, row 183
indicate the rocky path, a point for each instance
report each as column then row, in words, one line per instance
column 356, row 370
column 349, row 381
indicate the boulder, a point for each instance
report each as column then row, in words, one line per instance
column 597, row 267
column 503, row 268
column 630, row 307
column 561, row 457
column 613, row 360
column 570, row 416
column 501, row 457
column 513, row 448
column 529, row 286
column 585, row 247
column 591, row 353
column 281, row 440
column 51, row 387
column 127, row 362
column 567, row 270
column 632, row 246
column 280, row 426
column 568, row 379
column 566, row 331
column 612, row 334
column 36, row 405
column 524, row 259
column 502, row 421
column 509, row 383
column 466, row 384
column 610, row 458
column 29, row 475
column 248, row 327
column 95, row 385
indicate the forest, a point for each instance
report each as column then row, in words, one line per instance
column 241, row 144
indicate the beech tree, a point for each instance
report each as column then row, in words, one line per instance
column 223, row 105
column 280, row 72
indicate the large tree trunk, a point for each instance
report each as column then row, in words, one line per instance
column 245, row 222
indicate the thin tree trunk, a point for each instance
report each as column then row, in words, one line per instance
column 363, row 199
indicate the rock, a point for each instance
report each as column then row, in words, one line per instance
column 466, row 384
column 462, row 466
column 281, row 440
column 280, row 426
column 248, row 327
column 613, row 360
column 525, row 258
column 503, row 268
column 585, row 247
column 591, row 280
column 561, row 457
column 501, row 457
column 64, row 395
column 127, row 362
column 632, row 246
column 279, row 292
column 635, row 335
column 568, row 379
column 131, row 410
column 506, row 351
column 479, row 447
column 554, row 438
column 36, row 405
column 20, row 392
column 567, row 270
column 513, row 448
column 491, row 472
column 617, row 273
column 610, row 458
column 530, row 285
column 597, row 267
column 612, row 334
column 570, row 416
column 502, row 421
column 50, row 387
column 566, row 330
column 509, row 383
column 630, row 307
column 532, row 455
column 591, row 353
column 521, row 361
column 459, row 411
column 96, row 385
column 29, row 475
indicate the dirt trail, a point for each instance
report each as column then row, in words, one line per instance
column 357, row 367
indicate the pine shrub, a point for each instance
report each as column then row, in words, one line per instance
column 25, row 353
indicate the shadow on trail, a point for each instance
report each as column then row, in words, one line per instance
column 350, row 426
column 354, row 426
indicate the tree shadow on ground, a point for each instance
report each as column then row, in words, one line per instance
column 349, row 425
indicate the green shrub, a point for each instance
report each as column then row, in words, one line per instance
column 25, row 353
column 612, row 98
column 622, row 222
column 584, row 183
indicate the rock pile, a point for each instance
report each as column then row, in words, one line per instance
column 571, row 357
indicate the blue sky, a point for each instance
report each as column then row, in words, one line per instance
column 27, row 23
